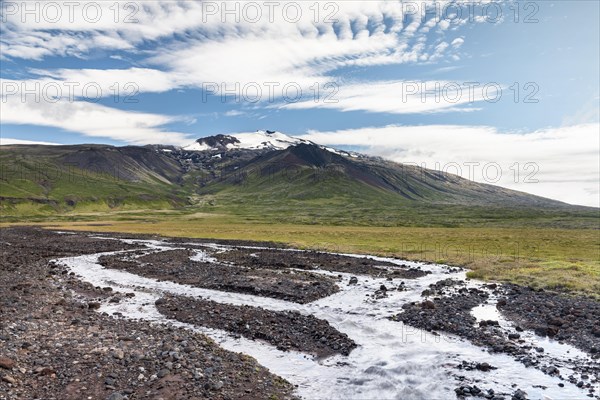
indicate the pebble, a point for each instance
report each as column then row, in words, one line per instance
column 118, row 354
column 484, row 367
column 7, row 363
column 519, row 395
column 428, row 305
column 163, row 372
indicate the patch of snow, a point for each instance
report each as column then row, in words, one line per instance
column 261, row 140
column 266, row 140
column 198, row 147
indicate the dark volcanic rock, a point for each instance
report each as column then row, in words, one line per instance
column 575, row 320
column 176, row 266
column 219, row 142
column 307, row 260
column 286, row 330
column 448, row 314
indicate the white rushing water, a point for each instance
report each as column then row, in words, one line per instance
column 392, row 360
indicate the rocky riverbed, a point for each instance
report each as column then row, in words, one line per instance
column 177, row 266
column 448, row 305
column 285, row 330
column 281, row 259
column 121, row 317
column 54, row 344
column 574, row 320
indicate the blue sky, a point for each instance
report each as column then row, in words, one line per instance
column 371, row 62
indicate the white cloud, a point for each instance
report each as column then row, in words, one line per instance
column 272, row 49
column 564, row 161
column 41, row 106
column 457, row 42
column 234, row 113
column 9, row 141
column 104, row 82
column 399, row 97
column 77, row 31
column 256, row 62
column 93, row 120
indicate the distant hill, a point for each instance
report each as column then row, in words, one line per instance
column 263, row 173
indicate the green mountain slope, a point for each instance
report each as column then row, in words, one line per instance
column 48, row 179
column 304, row 183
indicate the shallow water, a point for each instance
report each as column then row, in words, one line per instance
column 392, row 361
column 560, row 354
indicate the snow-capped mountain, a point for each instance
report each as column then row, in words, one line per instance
column 270, row 161
column 259, row 140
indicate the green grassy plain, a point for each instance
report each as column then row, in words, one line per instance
column 543, row 257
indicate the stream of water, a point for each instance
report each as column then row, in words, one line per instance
column 392, row 361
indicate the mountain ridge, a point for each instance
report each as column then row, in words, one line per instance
column 241, row 173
